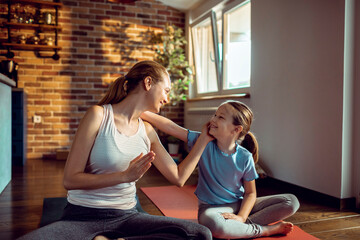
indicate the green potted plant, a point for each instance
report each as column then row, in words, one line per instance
column 170, row 53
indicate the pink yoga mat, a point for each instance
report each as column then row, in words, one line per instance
column 182, row 203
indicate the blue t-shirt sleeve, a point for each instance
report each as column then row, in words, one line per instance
column 250, row 170
column 192, row 137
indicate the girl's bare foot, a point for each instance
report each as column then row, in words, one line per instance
column 282, row 228
column 100, row 237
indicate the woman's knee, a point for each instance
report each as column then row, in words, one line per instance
column 204, row 233
column 189, row 230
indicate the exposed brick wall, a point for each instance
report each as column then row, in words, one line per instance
column 100, row 41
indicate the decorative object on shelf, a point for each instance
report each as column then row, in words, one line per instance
column 22, row 39
column 47, row 41
column 48, row 18
column 10, row 69
column 172, row 56
column 34, row 40
column 22, row 14
column 29, row 14
column 9, row 66
column 17, row 13
column 39, row 15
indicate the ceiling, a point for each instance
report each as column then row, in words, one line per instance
column 182, row 5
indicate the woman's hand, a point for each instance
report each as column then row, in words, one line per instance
column 233, row 216
column 134, row 172
column 138, row 167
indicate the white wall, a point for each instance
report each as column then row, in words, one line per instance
column 356, row 106
column 297, row 94
column 297, row 90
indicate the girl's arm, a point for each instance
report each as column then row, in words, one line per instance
column 177, row 174
column 165, row 125
column 247, row 203
column 74, row 173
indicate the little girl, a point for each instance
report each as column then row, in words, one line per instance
column 226, row 190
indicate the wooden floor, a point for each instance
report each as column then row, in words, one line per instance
column 21, row 203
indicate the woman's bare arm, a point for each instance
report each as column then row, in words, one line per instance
column 166, row 125
column 177, row 174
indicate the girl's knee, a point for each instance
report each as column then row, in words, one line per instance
column 213, row 224
column 292, row 203
column 216, row 229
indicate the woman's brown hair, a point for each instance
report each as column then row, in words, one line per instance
column 125, row 84
column 243, row 116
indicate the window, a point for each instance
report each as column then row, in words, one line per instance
column 237, row 47
column 206, row 55
column 222, row 51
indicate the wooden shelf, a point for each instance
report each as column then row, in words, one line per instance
column 31, row 26
column 37, row 29
column 41, row 4
column 31, row 47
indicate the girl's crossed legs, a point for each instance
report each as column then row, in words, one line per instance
column 268, row 209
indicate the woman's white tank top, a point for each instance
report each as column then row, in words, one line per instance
column 112, row 152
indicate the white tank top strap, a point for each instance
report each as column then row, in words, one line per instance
column 142, row 131
column 141, row 126
column 106, row 123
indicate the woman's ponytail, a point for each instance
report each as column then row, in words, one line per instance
column 123, row 86
column 250, row 143
column 115, row 93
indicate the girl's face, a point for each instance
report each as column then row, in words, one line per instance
column 160, row 92
column 221, row 124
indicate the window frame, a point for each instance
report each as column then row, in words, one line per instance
column 212, row 16
column 228, row 9
column 219, row 65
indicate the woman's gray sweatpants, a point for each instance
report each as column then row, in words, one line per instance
column 266, row 210
column 82, row 223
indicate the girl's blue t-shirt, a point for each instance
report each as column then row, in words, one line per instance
column 221, row 175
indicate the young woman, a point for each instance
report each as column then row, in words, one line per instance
column 226, row 190
column 112, row 149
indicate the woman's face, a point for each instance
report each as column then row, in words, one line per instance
column 221, row 123
column 161, row 91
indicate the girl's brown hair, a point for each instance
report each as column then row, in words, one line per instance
column 243, row 116
column 125, row 84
